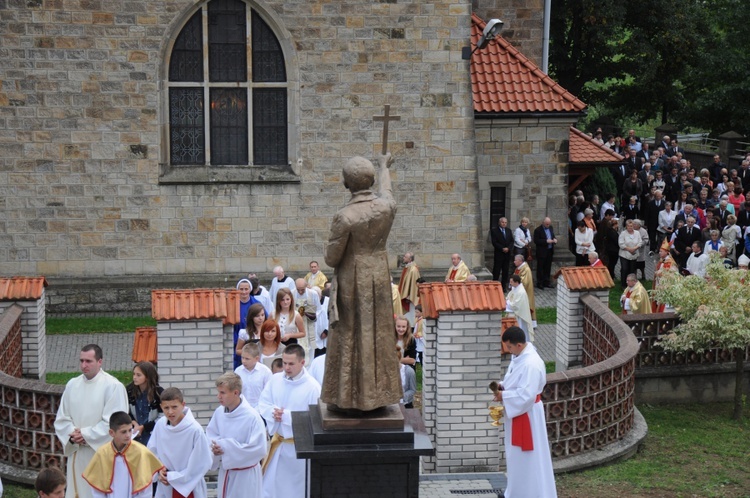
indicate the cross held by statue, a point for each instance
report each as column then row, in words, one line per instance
column 386, row 118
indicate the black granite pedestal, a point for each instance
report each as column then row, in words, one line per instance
column 361, row 462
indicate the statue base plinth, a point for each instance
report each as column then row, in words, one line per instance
column 361, row 457
column 386, row 417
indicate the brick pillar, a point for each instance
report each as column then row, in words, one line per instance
column 463, row 356
column 33, row 336
column 191, row 357
column 569, row 343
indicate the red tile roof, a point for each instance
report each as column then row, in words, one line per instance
column 584, row 149
column 583, row 278
column 22, row 288
column 145, row 345
column 196, row 304
column 503, row 80
column 461, row 296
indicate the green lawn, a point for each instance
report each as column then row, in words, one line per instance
column 62, row 378
column 97, row 325
column 691, row 450
column 546, row 316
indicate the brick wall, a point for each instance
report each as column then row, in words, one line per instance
column 10, row 341
column 592, row 407
column 27, row 416
column 462, row 357
column 569, row 329
column 191, row 357
column 33, row 336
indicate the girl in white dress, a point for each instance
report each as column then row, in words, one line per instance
column 290, row 322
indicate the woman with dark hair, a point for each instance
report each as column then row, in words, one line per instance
column 144, row 401
column 256, row 315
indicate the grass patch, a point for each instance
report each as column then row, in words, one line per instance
column 690, row 450
column 62, row 378
column 18, row 491
column 616, row 292
column 549, row 366
column 546, row 316
column 97, row 325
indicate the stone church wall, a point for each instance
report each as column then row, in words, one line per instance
column 523, row 23
column 527, row 156
column 82, row 124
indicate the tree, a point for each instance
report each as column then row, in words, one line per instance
column 600, row 183
column 714, row 313
column 719, row 89
column 584, row 38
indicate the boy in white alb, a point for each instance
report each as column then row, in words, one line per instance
column 238, row 441
column 182, row 446
column 292, row 390
column 254, row 374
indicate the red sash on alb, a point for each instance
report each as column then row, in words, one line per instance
column 176, row 494
column 521, row 428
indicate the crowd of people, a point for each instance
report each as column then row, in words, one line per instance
column 661, row 196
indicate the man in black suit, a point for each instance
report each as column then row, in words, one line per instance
column 715, row 169
column 675, row 148
column 544, row 239
column 502, row 241
column 644, row 155
column 652, row 218
column 683, row 242
column 744, row 175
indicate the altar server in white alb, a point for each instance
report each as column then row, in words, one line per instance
column 182, row 446
column 292, row 390
column 238, row 441
column 82, row 421
column 529, row 462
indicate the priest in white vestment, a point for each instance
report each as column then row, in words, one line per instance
column 307, row 302
column 280, row 280
column 82, row 421
column 238, row 441
column 527, row 453
column 518, row 304
column 293, row 390
column 321, row 329
column 179, row 442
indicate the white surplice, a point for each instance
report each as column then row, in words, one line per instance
column 122, row 485
column 529, row 473
column 185, row 452
column 253, row 381
column 321, row 325
column 87, row 405
column 518, row 304
column 242, row 436
column 285, row 475
column 318, row 368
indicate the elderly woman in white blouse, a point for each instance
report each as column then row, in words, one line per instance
column 630, row 243
column 584, row 238
column 666, row 223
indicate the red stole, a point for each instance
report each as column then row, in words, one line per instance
column 453, row 274
column 176, row 494
column 521, row 427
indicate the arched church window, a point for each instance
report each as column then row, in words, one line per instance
column 227, row 90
